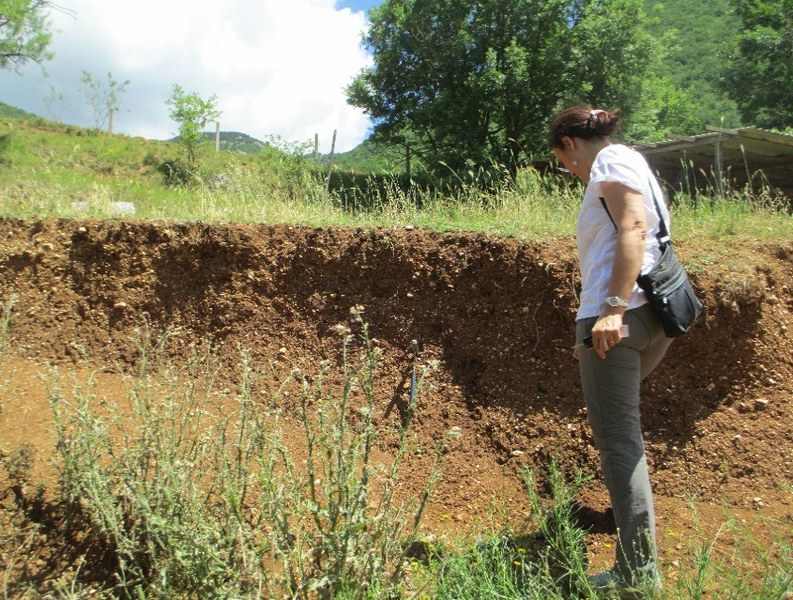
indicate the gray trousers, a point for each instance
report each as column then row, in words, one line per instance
column 611, row 392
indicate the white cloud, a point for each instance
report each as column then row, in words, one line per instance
column 278, row 67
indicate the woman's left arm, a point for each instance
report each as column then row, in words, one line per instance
column 626, row 207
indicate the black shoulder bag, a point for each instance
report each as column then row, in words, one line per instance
column 666, row 284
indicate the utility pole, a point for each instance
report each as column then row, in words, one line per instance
column 330, row 165
column 217, row 136
column 316, row 147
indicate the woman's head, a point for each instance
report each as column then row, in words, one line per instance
column 578, row 133
column 582, row 122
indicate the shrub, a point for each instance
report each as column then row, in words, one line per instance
column 177, row 172
column 192, row 503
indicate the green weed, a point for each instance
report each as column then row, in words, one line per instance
column 546, row 563
column 735, row 565
column 549, row 562
column 193, row 501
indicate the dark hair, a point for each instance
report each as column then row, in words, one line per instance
column 583, row 122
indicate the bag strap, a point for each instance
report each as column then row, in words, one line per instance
column 663, row 236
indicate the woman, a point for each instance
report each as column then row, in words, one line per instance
column 616, row 235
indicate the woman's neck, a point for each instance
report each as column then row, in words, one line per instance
column 588, row 151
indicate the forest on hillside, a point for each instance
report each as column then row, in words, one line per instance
column 698, row 37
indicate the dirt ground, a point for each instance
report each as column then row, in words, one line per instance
column 494, row 315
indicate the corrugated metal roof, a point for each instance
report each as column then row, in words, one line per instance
column 745, row 156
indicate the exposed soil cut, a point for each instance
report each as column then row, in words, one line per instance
column 496, row 314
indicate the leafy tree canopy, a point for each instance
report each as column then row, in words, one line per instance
column 760, row 74
column 24, row 32
column 474, row 82
column 191, row 113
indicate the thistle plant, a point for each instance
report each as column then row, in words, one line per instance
column 337, row 528
column 192, row 499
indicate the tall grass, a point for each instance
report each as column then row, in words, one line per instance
column 61, row 171
column 545, row 558
column 193, row 501
column 545, row 563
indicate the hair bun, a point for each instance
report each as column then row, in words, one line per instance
column 583, row 122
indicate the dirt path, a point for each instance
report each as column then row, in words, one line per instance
column 495, row 317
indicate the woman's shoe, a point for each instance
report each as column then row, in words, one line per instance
column 610, row 584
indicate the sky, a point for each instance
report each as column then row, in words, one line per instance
column 277, row 67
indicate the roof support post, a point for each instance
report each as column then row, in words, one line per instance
column 719, row 168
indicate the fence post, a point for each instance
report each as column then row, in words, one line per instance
column 316, row 147
column 330, row 164
column 217, row 136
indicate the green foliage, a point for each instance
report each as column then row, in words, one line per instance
column 692, row 39
column 191, row 113
column 369, row 157
column 546, row 564
column 194, row 494
column 24, row 32
column 176, row 172
column 664, row 109
column 102, row 98
column 760, row 74
column 473, row 83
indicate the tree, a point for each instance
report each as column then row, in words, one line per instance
column 191, row 113
column 665, row 109
column 102, row 98
column 54, row 103
column 760, row 74
column 474, row 82
column 24, row 32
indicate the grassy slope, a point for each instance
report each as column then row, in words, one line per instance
column 46, row 167
column 10, row 112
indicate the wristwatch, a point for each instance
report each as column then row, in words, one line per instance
column 616, row 301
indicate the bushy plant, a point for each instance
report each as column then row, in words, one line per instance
column 196, row 503
column 337, row 527
column 192, row 113
column 177, row 172
column 148, row 481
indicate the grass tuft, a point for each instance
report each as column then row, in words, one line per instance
column 194, row 501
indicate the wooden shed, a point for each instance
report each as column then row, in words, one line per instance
column 722, row 159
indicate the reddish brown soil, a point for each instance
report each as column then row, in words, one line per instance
column 496, row 314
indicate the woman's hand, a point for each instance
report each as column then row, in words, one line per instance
column 606, row 333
